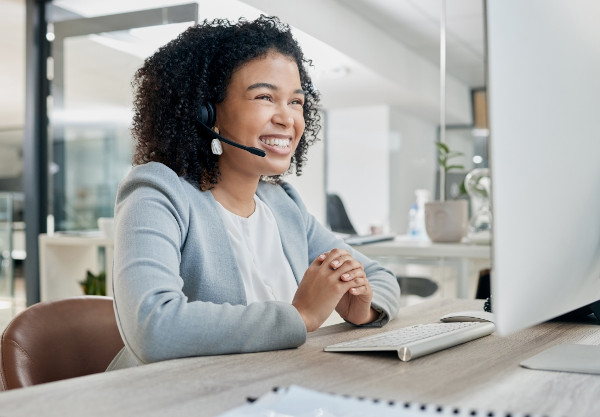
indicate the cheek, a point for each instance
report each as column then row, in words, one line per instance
column 300, row 126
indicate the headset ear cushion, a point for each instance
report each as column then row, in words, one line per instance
column 207, row 114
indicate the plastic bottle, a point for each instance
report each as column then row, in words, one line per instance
column 413, row 228
column 416, row 215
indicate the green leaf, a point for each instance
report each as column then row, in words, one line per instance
column 94, row 284
column 442, row 147
column 463, row 187
column 455, row 167
column 454, row 154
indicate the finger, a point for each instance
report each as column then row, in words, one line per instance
column 359, row 282
column 343, row 259
column 363, row 290
column 321, row 257
column 361, row 287
column 335, row 253
column 353, row 274
column 353, row 269
column 347, row 276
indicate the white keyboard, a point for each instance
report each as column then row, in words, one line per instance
column 415, row 341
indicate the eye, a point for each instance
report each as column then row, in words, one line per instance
column 264, row 97
column 298, row 101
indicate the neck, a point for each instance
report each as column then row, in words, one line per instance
column 236, row 196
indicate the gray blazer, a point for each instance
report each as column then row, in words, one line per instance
column 177, row 286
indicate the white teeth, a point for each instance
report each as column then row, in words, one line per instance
column 280, row 143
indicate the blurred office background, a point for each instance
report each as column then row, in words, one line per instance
column 65, row 105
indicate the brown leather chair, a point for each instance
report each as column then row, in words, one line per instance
column 60, row 339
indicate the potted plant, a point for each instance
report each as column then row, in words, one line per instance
column 446, row 220
column 94, row 284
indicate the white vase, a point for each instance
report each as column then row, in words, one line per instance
column 446, row 221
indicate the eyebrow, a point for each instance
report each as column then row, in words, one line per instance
column 272, row 87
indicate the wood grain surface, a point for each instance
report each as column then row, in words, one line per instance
column 482, row 375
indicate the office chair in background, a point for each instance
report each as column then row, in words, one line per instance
column 55, row 340
column 339, row 222
column 337, row 218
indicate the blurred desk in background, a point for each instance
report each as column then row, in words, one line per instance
column 65, row 259
column 461, row 256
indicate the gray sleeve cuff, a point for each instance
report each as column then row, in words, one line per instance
column 381, row 320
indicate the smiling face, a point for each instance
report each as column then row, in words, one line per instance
column 263, row 108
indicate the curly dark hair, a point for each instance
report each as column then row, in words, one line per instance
column 197, row 67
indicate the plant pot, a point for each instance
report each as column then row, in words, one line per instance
column 446, row 221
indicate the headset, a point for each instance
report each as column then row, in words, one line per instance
column 207, row 115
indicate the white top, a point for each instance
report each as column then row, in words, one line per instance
column 265, row 270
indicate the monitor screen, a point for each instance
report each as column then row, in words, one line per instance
column 544, row 112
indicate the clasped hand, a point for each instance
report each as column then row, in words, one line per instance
column 335, row 280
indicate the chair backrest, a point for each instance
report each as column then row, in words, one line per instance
column 337, row 218
column 61, row 339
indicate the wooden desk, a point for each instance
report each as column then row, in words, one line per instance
column 483, row 374
column 459, row 255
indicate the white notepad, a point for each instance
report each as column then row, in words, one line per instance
column 295, row 401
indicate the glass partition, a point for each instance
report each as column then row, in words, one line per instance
column 94, row 58
column 394, row 144
column 6, row 263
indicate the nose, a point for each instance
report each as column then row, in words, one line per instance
column 283, row 116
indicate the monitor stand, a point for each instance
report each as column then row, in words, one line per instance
column 571, row 357
column 586, row 314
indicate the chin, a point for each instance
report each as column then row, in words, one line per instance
column 276, row 171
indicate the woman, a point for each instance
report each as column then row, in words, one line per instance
column 214, row 253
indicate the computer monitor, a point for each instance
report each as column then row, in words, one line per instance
column 544, row 113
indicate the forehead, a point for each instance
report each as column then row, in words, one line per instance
column 272, row 67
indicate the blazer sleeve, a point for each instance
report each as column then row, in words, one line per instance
column 386, row 291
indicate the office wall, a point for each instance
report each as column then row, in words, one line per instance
column 377, row 156
column 358, row 163
column 311, row 184
column 412, row 157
